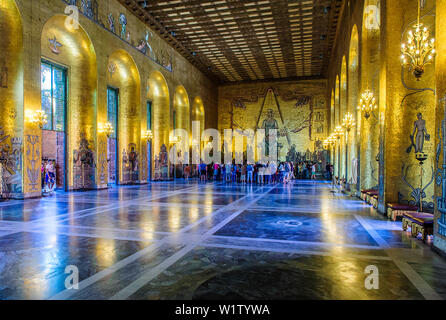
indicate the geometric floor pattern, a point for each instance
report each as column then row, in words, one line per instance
column 178, row 240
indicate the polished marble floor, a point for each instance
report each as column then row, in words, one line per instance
column 178, row 240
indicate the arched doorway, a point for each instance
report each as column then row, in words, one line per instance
column 181, row 119
column 69, row 91
column 123, row 111
column 159, row 97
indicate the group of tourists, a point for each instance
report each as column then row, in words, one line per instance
column 260, row 173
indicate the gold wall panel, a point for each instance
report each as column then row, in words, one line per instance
column 127, row 80
column 87, row 103
column 198, row 112
column 11, row 99
column 402, row 106
column 300, row 109
column 77, row 54
column 440, row 139
column 182, row 109
column 353, row 101
column 159, row 95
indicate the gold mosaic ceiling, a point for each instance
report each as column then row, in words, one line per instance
column 246, row 40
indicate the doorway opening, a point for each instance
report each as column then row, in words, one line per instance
column 54, row 103
column 149, row 143
column 112, row 117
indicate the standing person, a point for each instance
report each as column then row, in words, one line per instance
column 256, row 172
column 51, row 176
column 203, row 169
column 282, row 173
column 261, row 173
column 223, row 172
column 327, row 171
column 313, row 171
column 234, row 173
column 228, row 172
column 249, row 171
column 187, row 172
column 216, row 167
column 243, row 174
column 287, row 172
column 273, row 172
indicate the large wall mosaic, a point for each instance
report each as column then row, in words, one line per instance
column 297, row 110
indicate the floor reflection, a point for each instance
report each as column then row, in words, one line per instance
column 177, row 240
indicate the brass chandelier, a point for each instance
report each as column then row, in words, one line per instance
column 419, row 50
column 367, row 104
column 349, row 122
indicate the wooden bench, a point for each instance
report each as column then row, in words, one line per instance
column 374, row 201
column 395, row 210
column 365, row 192
column 419, row 222
column 370, row 195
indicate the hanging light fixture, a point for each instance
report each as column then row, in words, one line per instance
column 367, row 104
column 349, row 122
column 147, row 135
column 338, row 132
column 419, row 50
column 106, row 128
column 39, row 118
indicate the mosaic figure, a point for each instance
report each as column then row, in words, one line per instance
column 84, row 166
column 123, row 23
column 419, row 135
column 87, row 8
column 111, row 23
column 55, row 45
column 133, row 159
column 164, row 162
column 270, row 123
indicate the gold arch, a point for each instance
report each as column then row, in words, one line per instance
column 11, row 84
column 182, row 109
column 127, row 80
column 159, row 95
column 198, row 113
column 78, row 55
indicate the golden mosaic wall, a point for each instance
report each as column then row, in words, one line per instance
column 300, row 109
column 385, row 143
column 86, row 52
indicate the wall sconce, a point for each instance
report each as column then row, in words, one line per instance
column 349, row 122
column 367, row 104
column 337, row 134
column 175, row 140
column 147, row 135
column 39, row 118
column 106, row 128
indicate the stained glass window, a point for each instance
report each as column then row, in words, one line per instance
column 112, row 110
column 54, row 96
